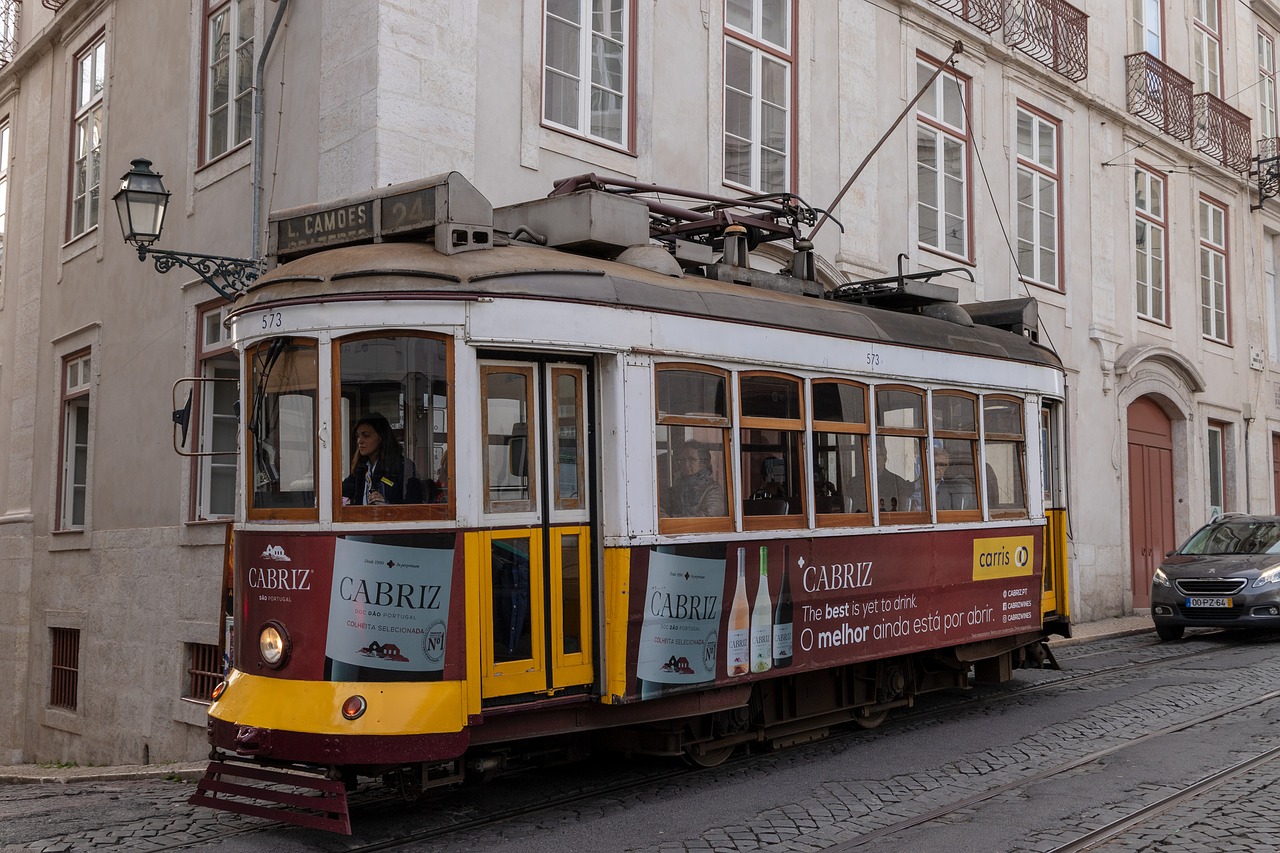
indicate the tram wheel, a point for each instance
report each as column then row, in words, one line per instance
column 1170, row 632
column 871, row 721
column 707, row 756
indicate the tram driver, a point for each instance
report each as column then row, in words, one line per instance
column 380, row 472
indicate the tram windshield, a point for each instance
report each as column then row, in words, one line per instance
column 393, row 416
column 282, row 426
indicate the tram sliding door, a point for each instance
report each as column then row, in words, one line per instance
column 535, row 573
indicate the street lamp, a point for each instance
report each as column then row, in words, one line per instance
column 141, row 204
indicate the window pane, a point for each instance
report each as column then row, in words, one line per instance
column 691, row 472
column 691, row 393
column 509, row 469
column 394, row 412
column 839, row 402
column 770, row 397
column 774, row 22
column 737, row 13
column 899, row 473
column 840, row 479
column 772, row 481
column 954, row 414
column 899, row 409
column 282, row 425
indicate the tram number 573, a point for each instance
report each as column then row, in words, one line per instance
column 272, row 320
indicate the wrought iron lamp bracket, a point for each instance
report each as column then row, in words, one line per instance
column 230, row 277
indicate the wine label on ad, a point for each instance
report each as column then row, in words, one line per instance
column 682, row 607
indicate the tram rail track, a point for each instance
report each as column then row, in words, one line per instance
column 371, row 805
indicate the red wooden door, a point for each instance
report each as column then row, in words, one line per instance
column 1150, row 494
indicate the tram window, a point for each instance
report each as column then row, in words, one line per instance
column 570, row 476
column 393, row 410
column 955, row 454
column 771, row 448
column 840, row 433
column 282, row 426
column 901, row 434
column 507, row 415
column 1005, row 448
column 692, row 434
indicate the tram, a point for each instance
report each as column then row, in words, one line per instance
column 572, row 474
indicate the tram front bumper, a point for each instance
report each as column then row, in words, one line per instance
column 288, row 720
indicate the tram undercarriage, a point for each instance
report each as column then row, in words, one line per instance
column 702, row 728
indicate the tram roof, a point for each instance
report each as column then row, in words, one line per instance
column 412, row 270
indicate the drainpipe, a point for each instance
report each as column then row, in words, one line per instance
column 1248, row 419
column 259, row 73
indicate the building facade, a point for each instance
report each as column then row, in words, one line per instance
column 1109, row 159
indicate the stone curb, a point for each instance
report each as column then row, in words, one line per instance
column 33, row 774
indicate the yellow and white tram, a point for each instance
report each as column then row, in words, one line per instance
column 630, row 492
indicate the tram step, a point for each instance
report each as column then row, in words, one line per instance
column 299, row 798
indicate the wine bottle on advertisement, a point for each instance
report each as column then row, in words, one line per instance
column 782, row 622
column 738, row 649
column 762, row 620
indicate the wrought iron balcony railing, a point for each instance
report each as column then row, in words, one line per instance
column 1052, row 32
column 1159, row 94
column 1221, row 131
column 10, row 15
column 986, row 15
column 55, row 5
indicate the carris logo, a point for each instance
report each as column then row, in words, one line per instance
column 276, row 552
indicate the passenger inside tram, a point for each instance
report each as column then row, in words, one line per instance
column 696, row 491
column 380, row 472
column 897, row 493
column 956, row 490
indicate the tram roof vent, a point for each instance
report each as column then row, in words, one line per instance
column 1020, row 316
column 446, row 209
column 589, row 222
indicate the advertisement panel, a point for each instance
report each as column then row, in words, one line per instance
column 716, row 613
column 356, row 608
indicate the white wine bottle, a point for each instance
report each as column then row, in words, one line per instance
column 738, row 652
column 762, row 620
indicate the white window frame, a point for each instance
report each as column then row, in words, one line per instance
column 77, row 380
column 4, row 193
column 1148, row 27
column 943, row 128
column 1039, row 209
column 1215, row 467
column 218, row 425
column 1212, row 270
column 590, row 57
column 1151, row 265
column 767, row 53
column 1207, row 47
column 1266, row 85
column 90, row 76
column 237, row 108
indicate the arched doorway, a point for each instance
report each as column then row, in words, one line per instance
column 1150, row 494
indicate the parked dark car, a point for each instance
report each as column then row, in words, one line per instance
column 1227, row 575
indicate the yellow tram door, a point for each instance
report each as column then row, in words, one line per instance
column 533, row 567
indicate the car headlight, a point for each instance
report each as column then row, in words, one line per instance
column 1161, row 578
column 273, row 644
column 1271, row 575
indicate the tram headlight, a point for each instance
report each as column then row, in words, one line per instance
column 273, row 644
column 1161, row 578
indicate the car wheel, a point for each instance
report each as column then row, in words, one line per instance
column 1170, row 632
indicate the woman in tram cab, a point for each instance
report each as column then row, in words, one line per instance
column 380, row 473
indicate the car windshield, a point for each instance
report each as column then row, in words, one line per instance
column 1235, row 536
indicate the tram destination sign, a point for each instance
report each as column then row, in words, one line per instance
column 349, row 223
column 400, row 210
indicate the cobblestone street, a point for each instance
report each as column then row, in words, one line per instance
column 999, row 770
